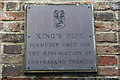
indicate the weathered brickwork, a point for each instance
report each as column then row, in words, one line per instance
column 107, row 49
column 107, row 37
column 11, row 27
column 104, row 16
column 107, row 60
column 12, row 70
column 112, row 71
column 1, row 6
column 12, row 6
column 13, row 38
column 102, row 6
column 12, row 49
column 106, row 26
column 12, row 16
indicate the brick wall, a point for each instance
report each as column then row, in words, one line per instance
column 106, row 15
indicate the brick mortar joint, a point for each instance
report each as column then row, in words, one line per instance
column 6, row 43
column 11, row 21
column 2, row 32
column 106, row 31
column 104, row 44
column 98, row 32
column 114, row 66
column 107, row 55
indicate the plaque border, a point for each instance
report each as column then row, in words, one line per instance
column 58, row 71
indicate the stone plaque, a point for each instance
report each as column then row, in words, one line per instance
column 60, row 37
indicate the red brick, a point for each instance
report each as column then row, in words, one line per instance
column 108, row 49
column 1, row 6
column 12, row 6
column 12, row 16
column 107, row 60
column 102, row 26
column 106, row 37
column 107, row 71
column 12, row 70
column 13, row 38
column 11, row 27
column 104, row 16
column 16, row 78
column 12, row 49
column 107, row 6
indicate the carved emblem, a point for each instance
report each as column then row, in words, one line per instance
column 59, row 19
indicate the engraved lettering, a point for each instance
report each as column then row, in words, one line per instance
column 38, row 36
column 62, row 53
column 74, row 35
column 88, row 52
column 84, row 44
column 46, row 62
column 69, row 44
column 48, row 36
column 80, row 61
column 44, row 44
column 34, row 53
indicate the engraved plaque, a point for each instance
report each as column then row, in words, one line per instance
column 60, row 37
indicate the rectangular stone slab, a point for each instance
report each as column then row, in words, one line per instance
column 60, row 37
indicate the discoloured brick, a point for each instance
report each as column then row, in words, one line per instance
column 119, row 65
column 12, row 6
column 12, row 16
column 12, row 70
column 108, row 49
column 106, row 71
column 13, row 38
column 106, row 37
column 1, row 15
column 11, row 27
column 103, row 26
column 107, row 6
column 119, row 32
column 107, row 60
column 117, row 15
column 12, row 49
column 1, row 25
column 12, row 59
column 107, row 16
column 22, row 28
